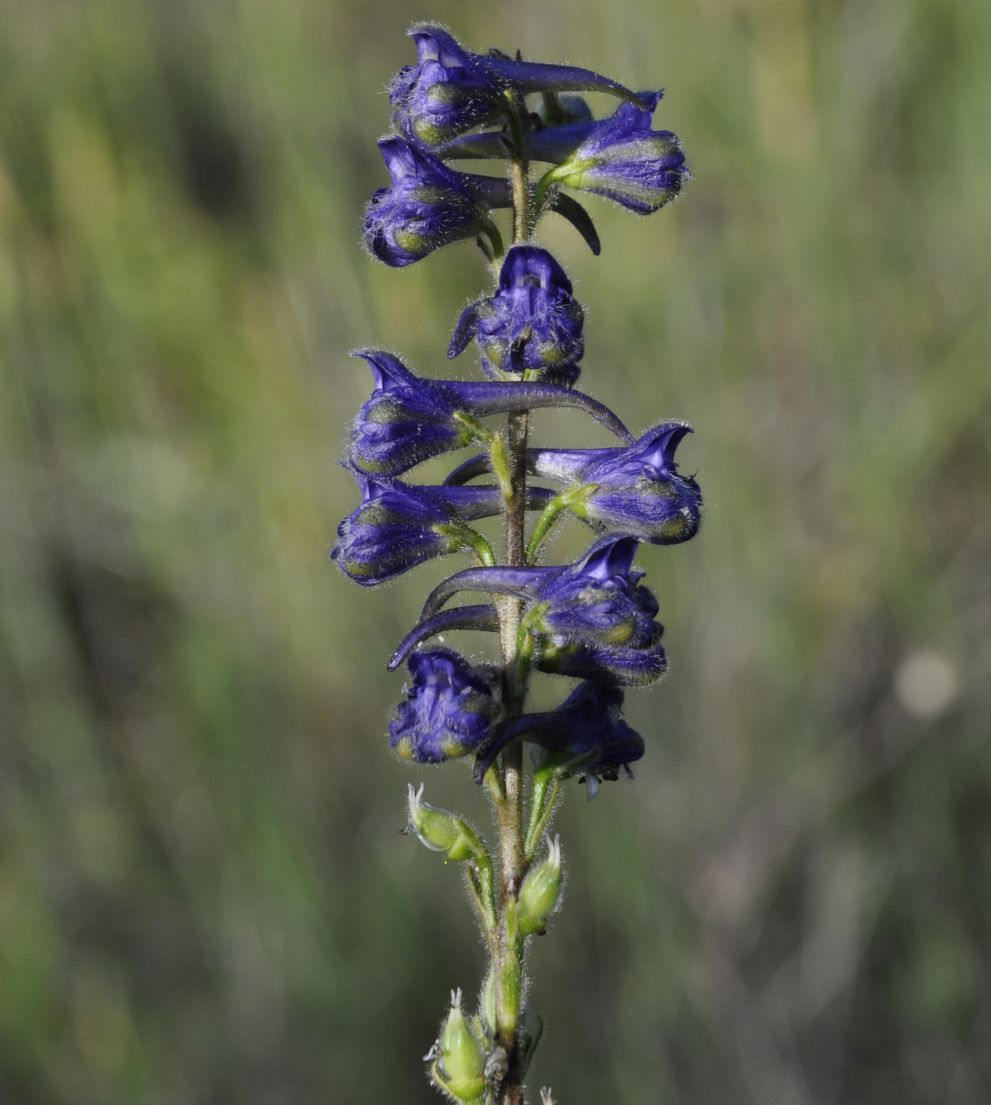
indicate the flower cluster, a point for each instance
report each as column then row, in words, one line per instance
column 438, row 104
column 593, row 620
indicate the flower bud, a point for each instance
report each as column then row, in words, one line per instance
column 441, row 831
column 541, row 891
column 461, row 1060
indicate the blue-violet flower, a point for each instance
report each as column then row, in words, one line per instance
column 398, row 525
column 636, row 489
column 428, row 205
column 531, row 324
column 450, row 90
column 584, row 736
column 622, row 159
column 593, row 617
column 409, row 419
column 447, row 712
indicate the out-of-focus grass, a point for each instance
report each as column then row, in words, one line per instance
column 202, row 894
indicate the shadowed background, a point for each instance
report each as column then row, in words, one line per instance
column 203, row 895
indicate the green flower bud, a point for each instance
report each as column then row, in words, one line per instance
column 541, row 891
column 442, row 831
column 461, row 1060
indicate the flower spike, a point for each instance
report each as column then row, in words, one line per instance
column 592, row 620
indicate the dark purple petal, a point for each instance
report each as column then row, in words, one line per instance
column 585, row 734
column 465, row 330
column 555, row 144
column 579, row 218
column 599, row 599
column 471, row 503
column 398, row 526
column 409, row 419
column 637, row 490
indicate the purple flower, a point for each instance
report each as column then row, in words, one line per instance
column 451, row 90
column 406, row 420
column 531, row 324
column 445, row 93
column 637, row 490
column 409, row 419
column 398, row 526
column 622, row 159
column 584, row 736
column 600, row 600
column 629, row 666
column 448, row 709
column 592, row 618
column 428, row 205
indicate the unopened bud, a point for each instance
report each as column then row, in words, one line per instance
column 541, row 891
column 461, row 1059
column 440, row 830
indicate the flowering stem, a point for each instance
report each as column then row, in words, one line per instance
column 509, row 944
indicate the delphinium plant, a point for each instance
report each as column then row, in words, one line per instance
column 592, row 620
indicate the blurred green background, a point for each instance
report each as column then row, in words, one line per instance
column 203, row 895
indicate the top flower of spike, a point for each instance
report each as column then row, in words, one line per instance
column 450, row 90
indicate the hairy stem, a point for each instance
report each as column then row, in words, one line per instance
column 508, row 968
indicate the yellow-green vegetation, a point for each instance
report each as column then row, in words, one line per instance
column 203, row 896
